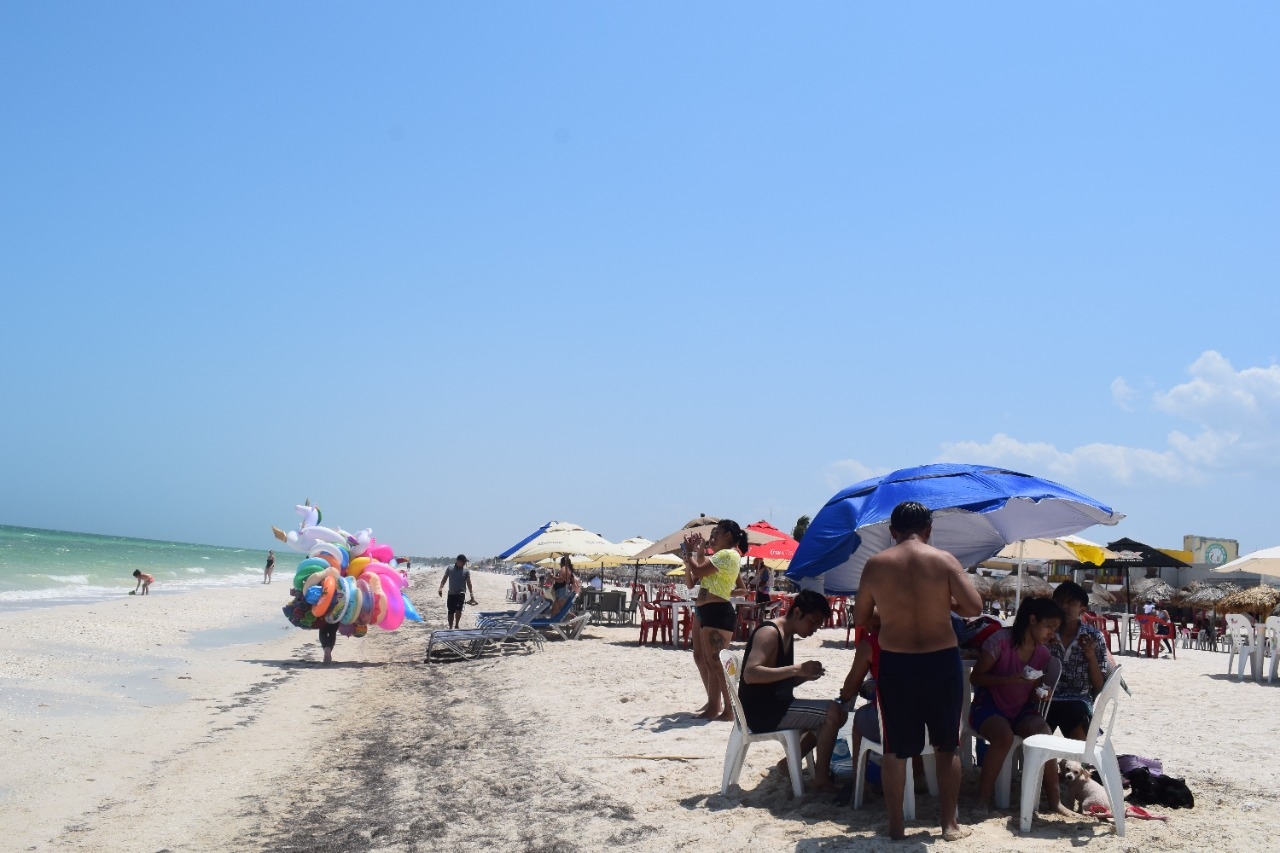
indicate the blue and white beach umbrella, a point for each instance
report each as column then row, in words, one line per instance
column 977, row 510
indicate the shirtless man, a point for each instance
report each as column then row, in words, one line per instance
column 915, row 587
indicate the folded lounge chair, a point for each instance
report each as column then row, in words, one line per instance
column 490, row 634
column 564, row 623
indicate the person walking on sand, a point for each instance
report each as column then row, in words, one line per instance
column 915, row 586
column 328, row 639
column 716, row 617
column 459, row 579
column 144, row 581
column 271, row 564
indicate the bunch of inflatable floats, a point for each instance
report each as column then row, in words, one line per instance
column 346, row 579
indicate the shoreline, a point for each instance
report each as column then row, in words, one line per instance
column 125, row 735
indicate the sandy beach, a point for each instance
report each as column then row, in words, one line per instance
column 204, row 722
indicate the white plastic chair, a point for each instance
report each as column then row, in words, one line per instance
column 1241, row 644
column 1004, row 780
column 868, row 747
column 741, row 738
column 1273, row 645
column 1095, row 749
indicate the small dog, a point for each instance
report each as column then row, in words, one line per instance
column 1147, row 790
column 1079, row 790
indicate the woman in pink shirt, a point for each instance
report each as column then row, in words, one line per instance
column 1004, row 697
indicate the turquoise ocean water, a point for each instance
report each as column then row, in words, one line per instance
column 46, row 567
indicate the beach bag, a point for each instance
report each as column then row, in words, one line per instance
column 1130, row 763
column 976, row 632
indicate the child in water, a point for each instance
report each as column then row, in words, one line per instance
column 144, row 581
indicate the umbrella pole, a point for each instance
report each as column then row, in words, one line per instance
column 1017, row 600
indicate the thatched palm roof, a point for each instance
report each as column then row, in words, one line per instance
column 1258, row 601
column 1154, row 589
column 1205, row 596
column 983, row 585
column 1032, row 587
column 1100, row 596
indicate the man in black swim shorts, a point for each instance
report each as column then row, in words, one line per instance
column 915, row 586
column 459, row 579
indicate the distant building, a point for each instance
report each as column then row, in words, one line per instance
column 1214, row 552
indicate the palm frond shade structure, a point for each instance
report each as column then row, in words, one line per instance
column 1257, row 601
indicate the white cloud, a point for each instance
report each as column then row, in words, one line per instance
column 1236, row 415
column 1108, row 461
column 846, row 472
column 1122, row 393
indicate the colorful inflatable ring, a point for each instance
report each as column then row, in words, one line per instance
column 357, row 565
column 334, row 615
column 353, row 601
column 366, row 601
column 305, row 569
column 326, row 550
column 395, row 612
column 321, row 607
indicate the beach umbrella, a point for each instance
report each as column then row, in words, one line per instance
column 1062, row 549
column 1264, row 562
column 977, row 510
column 1256, row 601
column 556, row 538
column 1152, row 589
column 1130, row 554
column 776, row 553
column 984, row 585
column 1031, row 587
column 1205, row 596
column 703, row 524
column 1100, row 597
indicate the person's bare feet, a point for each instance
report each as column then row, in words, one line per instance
column 955, row 833
column 726, row 717
column 1063, row 811
column 892, row 835
column 709, row 714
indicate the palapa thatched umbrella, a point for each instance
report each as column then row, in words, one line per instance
column 1257, row 601
column 983, row 585
column 1099, row 597
column 1032, row 587
column 1153, row 589
column 1204, row 596
column 1200, row 595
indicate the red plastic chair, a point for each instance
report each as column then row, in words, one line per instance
column 1109, row 625
column 655, row 620
column 748, row 620
column 1150, row 637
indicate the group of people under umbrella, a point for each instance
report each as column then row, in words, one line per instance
column 975, row 511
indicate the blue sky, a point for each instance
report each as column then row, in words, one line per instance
column 455, row 270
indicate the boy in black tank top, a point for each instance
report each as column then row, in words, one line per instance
column 769, row 678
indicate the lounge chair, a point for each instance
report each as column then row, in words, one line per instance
column 489, row 634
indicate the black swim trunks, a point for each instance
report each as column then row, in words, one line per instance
column 454, row 602
column 919, row 691
column 718, row 614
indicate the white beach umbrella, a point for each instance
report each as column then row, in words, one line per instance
column 557, row 538
column 1264, row 562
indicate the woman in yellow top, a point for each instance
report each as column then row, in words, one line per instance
column 715, row 618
